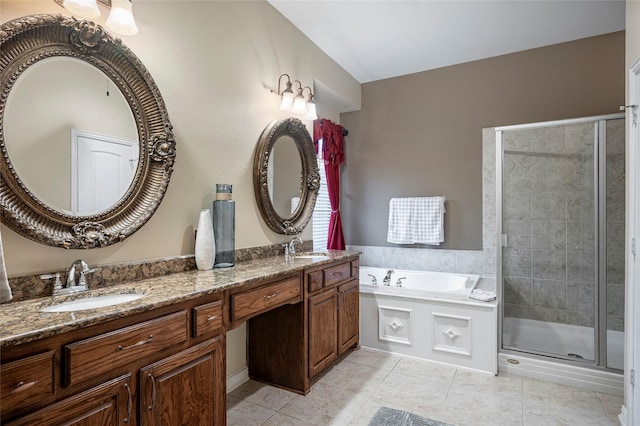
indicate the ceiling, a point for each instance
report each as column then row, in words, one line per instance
column 374, row 40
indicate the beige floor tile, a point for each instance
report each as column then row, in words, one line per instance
column 415, row 394
column 263, row 395
column 469, row 381
column 355, row 378
column 612, row 405
column 558, row 404
column 425, row 369
column 376, row 359
column 325, row 405
column 480, row 407
column 244, row 413
column 279, row 419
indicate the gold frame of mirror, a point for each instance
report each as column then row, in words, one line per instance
column 309, row 179
column 30, row 39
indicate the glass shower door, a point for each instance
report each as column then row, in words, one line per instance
column 549, row 214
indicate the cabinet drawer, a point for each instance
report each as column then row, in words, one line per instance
column 207, row 318
column 26, row 381
column 106, row 352
column 255, row 301
column 336, row 274
column 314, row 280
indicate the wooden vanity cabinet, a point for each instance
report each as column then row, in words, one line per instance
column 290, row 346
column 164, row 366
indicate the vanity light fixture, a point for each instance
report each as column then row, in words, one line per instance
column 120, row 19
column 296, row 103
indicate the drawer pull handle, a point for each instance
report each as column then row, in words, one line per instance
column 153, row 392
column 211, row 317
column 22, row 386
column 129, row 403
column 140, row 343
column 337, row 274
column 271, row 296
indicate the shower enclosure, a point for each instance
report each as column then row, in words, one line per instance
column 560, row 219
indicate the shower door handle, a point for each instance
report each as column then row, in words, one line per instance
column 503, row 240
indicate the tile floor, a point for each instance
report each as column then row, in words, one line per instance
column 351, row 393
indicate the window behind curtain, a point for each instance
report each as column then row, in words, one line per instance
column 322, row 211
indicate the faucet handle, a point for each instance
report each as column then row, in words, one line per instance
column 399, row 282
column 374, row 281
column 57, row 285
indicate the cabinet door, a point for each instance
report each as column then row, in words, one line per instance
column 187, row 388
column 108, row 404
column 323, row 331
column 348, row 315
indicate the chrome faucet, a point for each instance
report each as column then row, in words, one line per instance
column 399, row 282
column 76, row 279
column 292, row 245
column 387, row 278
column 374, row 281
column 80, row 280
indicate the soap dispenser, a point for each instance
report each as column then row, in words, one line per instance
column 224, row 226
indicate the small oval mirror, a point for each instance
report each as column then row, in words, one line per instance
column 282, row 173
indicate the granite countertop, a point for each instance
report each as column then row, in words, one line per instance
column 23, row 322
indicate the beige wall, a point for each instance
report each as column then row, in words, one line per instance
column 214, row 62
column 421, row 134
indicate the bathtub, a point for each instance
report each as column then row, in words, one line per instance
column 417, row 283
column 428, row 315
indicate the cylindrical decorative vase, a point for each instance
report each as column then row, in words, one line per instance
column 224, row 220
column 205, row 242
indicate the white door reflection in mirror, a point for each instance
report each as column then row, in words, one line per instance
column 102, row 168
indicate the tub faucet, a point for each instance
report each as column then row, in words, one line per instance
column 387, row 279
column 374, row 281
column 399, row 282
column 292, row 245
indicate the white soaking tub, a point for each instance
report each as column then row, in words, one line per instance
column 428, row 315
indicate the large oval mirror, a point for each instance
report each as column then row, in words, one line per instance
column 285, row 176
column 87, row 146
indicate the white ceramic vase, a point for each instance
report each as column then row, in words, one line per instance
column 205, row 243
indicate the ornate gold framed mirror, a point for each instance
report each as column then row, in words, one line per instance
column 36, row 45
column 285, row 176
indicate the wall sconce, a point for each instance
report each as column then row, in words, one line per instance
column 120, row 19
column 296, row 103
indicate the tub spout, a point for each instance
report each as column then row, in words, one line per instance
column 387, row 279
column 374, row 281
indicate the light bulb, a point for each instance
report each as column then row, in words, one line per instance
column 83, row 8
column 120, row 19
column 311, row 112
column 287, row 101
column 299, row 105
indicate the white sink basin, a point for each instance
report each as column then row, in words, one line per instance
column 92, row 302
column 311, row 256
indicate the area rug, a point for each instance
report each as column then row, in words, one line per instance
column 386, row 416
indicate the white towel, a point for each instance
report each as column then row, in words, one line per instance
column 482, row 295
column 5, row 290
column 416, row 220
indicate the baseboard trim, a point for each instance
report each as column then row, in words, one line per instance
column 622, row 417
column 564, row 374
column 235, row 380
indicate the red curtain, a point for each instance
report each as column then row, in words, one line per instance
column 333, row 154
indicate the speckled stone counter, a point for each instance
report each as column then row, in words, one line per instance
column 23, row 322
